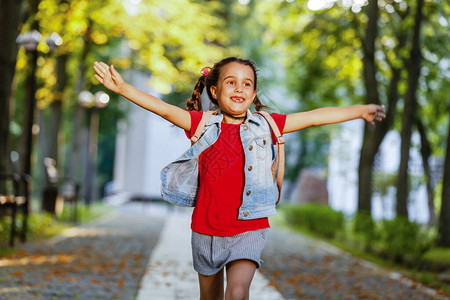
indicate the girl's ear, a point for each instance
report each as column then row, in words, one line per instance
column 213, row 90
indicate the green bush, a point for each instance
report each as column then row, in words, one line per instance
column 37, row 222
column 317, row 218
column 365, row 229
column 436, row 259
column 37, row 226
column 5, row 227
column 402, row 240
column 43, row 225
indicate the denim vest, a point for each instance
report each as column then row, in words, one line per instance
column 260, row 194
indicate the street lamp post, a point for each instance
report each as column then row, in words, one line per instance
column 93, row 103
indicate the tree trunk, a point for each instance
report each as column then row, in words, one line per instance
column 56, row 107
column 425, row 151
column 373, row 136
column 74, row 164
column 10, row 17
column 370, row 82
column 26, row 141
column 444, row 220
column 409, row 115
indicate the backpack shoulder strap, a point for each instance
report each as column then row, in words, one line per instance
column 201, row 126
column 279, row 158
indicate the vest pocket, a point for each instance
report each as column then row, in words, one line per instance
column 263, row 147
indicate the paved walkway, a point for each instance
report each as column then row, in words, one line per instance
column 105, row 259
column 170, row 274
column 305, row 268
column 142, row 251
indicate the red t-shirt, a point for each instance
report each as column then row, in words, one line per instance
column 221, row 172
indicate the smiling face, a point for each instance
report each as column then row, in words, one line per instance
column 235, row 90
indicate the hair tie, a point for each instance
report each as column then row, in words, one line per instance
column 205, row 71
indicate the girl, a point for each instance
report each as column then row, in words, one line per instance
column 226, row 174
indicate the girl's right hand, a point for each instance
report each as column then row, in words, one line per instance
column 108, row 76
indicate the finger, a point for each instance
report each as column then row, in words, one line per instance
column 114, row 71
column 99, row 66
column 99, row 70
column 107, row 73
column 105, row 66
column 98, row 78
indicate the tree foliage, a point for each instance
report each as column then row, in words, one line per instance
column 314, row 52
column 170, row 39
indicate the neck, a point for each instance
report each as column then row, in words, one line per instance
column 230, row 119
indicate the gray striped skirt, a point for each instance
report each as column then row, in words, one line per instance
column 211, row 253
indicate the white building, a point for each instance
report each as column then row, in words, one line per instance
column 145, row 144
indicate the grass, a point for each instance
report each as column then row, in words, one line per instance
column 438, row 256
column 42, row 226
column 434, row 259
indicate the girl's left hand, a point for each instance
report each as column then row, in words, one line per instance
column 373, row 112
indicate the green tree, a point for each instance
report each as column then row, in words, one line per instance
column 316, row 61
column 10, row 18
column 444, row 220
column 329, row 53
column 170, row 39
column 409, row 112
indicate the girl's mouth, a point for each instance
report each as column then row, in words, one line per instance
column 237, row 99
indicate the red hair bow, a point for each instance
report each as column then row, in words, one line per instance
column 205, row 71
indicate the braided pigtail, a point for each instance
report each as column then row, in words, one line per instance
column 258, row 105
column 195, row 102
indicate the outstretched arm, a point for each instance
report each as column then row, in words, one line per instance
column 331, row 115
column 112, row 80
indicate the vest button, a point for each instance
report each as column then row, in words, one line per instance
column 245, row 213
column 250, row 148
column 245, row 127
column 248, row 193
column 250, row 168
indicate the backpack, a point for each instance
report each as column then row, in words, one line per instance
column 279, row 158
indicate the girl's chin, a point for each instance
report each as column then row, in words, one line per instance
column 237, row 112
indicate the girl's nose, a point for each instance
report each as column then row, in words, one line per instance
column 239, row 88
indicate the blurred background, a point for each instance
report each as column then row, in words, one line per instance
column 81, row 143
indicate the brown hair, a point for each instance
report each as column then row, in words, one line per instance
column 195, row 102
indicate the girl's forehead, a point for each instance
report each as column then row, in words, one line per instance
column 238, row 70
